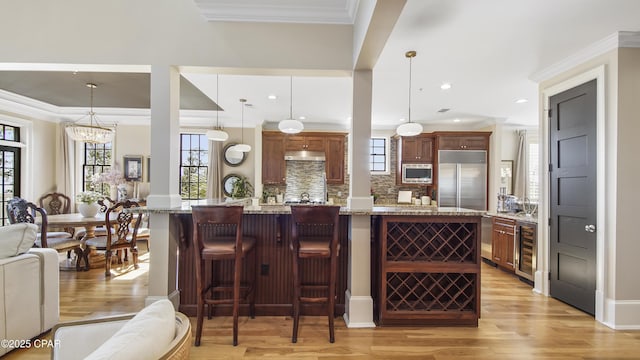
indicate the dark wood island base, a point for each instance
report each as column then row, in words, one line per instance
column 425, row 265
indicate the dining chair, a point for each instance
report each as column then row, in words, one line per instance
column 58, row 203
column 314, row 235
column 121, row 234
column 21, row 211
column 217, row 236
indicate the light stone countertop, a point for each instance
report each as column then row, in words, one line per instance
column 403, row 210
column 515, row 216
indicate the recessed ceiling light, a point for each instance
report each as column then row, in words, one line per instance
column 445, row 86
column 402, row 120
column 302, row 117
column 443, row 110
column 456, row 120
column 272, row 97
column 521, row 101
column 349, row 118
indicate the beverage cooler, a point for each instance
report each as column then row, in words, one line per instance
column 525, row 250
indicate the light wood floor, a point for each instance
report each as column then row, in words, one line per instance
column 516, row 324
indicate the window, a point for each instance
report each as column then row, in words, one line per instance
column 10, row 167
column 194, row 157
column 97, row 159
column 378, row 155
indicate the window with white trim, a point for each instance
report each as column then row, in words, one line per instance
column 194, row 160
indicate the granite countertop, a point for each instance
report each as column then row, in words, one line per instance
column 405, row 210
column 521, row 216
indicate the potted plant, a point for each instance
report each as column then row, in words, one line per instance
column 88, row 203
column 242, row 188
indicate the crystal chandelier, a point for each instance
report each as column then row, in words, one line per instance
column 409, row 128
column 217, row 134
column 92, row 134
column 290, row 125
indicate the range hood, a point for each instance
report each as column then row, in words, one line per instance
column 304, row 155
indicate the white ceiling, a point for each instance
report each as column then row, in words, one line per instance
column 487, row 49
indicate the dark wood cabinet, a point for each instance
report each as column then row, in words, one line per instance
column 334, row 164
column 504, row 236
column 417, row 149
column 463, row 142
column 305, row 142
column 427, row 270
column 273, row 163
column 275, row 144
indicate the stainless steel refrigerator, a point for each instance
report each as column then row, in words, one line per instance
column 462, row 179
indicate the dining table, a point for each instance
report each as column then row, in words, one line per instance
column 92, row 259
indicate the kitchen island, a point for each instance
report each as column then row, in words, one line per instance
column 422, row 263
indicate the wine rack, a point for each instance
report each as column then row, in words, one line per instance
column 429, row 271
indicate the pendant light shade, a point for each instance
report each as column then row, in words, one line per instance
column 409, row 128
column 217, row 134
column 92, row 134
column 242, row 147
column 290, row 125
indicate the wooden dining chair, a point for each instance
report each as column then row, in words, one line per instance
column 314, row 235
column 56, row 203
column 21, row 211
column 121, row 233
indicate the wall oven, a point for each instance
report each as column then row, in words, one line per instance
column 417, row 173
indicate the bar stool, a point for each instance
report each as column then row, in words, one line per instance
column 314, row 235
column 217, row 235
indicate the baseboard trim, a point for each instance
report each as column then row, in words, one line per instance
column 622, row 314
column 358, row 311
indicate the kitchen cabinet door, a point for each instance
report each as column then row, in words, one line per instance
column 503, row 242
column 273, row 163
column 334, row 165
column 304, row 142
column 417, row 149
column 463, row 142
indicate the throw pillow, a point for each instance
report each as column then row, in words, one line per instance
column 145, row 336
column 16, row 239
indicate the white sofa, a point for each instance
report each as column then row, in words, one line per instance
column 156, row 332
column 29, row 285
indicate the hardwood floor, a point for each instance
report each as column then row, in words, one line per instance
column 515, row 324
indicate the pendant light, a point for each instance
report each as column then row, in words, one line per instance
column 409, row 128
column 242, row 147
column 92, row 134
column 290, row 125
column 217, row 134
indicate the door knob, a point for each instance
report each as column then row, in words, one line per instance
column 590, row 228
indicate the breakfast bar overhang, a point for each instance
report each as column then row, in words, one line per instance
column 406, row 265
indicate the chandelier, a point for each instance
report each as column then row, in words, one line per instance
column 92, row 134
column 409, row 128
column 290, row 125
column 217, row 134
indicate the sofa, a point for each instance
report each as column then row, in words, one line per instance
column 156, row 332
column 29, row 286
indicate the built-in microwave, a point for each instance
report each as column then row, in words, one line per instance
column 417, row 173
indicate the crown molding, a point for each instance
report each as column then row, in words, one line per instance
column 281, row 11
column 620, row 39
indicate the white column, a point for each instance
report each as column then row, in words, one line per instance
column 165, row 162
column 358, row 300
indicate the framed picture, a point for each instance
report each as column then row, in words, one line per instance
column 506, row 176
column 132, row 167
